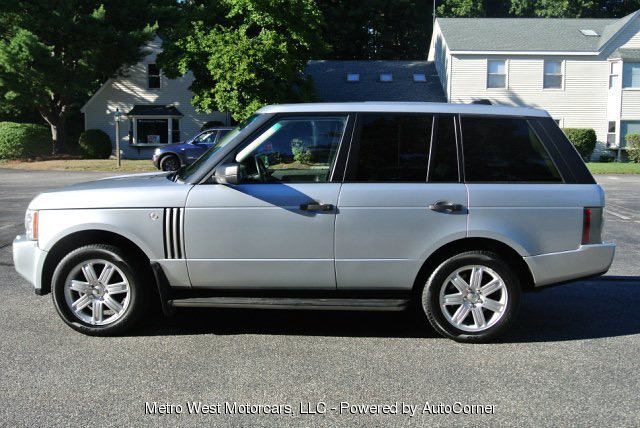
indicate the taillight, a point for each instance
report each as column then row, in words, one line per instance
column 591, row 225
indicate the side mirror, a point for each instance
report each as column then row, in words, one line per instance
column 229, row 173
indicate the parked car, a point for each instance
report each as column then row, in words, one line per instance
column 457, row 209
column 173, row 156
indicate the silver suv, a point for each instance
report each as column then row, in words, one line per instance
column 457, row 209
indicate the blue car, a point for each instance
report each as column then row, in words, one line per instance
column 172, row 156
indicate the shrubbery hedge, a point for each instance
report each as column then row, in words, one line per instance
column 584, row 139
column 95, row 144
column 633, row 147
column 24, row 140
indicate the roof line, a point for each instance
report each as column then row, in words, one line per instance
column 100, row 89
column 617, row 33
column 563, row 53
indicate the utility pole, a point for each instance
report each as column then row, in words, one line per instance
column 117, row 117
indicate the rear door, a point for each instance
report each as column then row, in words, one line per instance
column 399, row 166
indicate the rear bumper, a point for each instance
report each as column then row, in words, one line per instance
column 588, row 260
column 28, row 260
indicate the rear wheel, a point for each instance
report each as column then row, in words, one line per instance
column 97, row 292
column 169, row 163
column 472, row 297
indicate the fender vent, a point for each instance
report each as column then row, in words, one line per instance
column 173, row 233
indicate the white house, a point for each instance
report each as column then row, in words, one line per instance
column 585, row 72
column 155, row 110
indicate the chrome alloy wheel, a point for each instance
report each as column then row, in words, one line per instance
column 474, row 298
column 97, row 298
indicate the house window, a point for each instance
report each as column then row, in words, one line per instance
column 628, row 127
column 175, row 130
column 353, row 77
column 553, row 74
column 614, row 74
column 496, row 73
column 419, row 77
column 631, row 75
column 152, row 131
column 153, row 76
column 386, row 77
column 611, row 134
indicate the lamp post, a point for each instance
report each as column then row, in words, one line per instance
column 117, row 115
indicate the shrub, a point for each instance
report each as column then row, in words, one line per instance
column 607, row 158
column 95, row 144
column 24, row 140
column 301, row 152
column 633, row 147
column 584, row 139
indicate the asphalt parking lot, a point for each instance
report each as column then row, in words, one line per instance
column 572, row 359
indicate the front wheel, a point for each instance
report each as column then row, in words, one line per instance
column 169, row 163
column 472, row 297
column 96, row 291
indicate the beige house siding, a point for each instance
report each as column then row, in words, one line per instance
column 124, row 93
column 581, row 103
column 440, row 55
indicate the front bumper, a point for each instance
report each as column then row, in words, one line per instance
column 588, row 260
column 28, row 260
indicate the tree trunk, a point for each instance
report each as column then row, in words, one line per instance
column 57, row 123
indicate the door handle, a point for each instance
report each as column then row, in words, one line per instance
column 445, row 207
column 314, row 206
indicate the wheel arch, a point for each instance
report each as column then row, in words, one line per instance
column 508, row 253
column 86, row 237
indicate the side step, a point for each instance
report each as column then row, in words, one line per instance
column 294, row 303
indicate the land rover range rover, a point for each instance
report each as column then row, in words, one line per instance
column 457, row 209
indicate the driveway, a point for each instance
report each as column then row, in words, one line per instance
column 572, row 358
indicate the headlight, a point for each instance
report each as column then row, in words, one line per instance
column 31, row 224
column 156, row 151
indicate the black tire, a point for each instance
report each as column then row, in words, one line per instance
column 169, row 163
column 489, row 306
column 100, row 297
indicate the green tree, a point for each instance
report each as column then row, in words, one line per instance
column 376, row 29
column 557, row 8
column 244, row 53
column 52, row 56
column 462, row 8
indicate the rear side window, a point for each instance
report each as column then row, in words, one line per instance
column 503, row 150
column 394, row 148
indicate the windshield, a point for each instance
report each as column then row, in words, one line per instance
column 185, row 173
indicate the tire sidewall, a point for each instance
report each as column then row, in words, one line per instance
column 431, row 296
column 166, row 158
column 112, row 255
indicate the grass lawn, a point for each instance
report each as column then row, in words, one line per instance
column 613, row 168
column 106, row 165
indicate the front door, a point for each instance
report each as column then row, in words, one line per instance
column 275, row 229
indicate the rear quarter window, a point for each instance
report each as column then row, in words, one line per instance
column 500, row 149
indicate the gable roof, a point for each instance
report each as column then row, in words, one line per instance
column 330, row 80
column 530, row 34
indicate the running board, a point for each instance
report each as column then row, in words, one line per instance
column 294, row 303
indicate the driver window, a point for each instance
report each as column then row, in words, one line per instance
column 207, row 137
column 294, row 150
